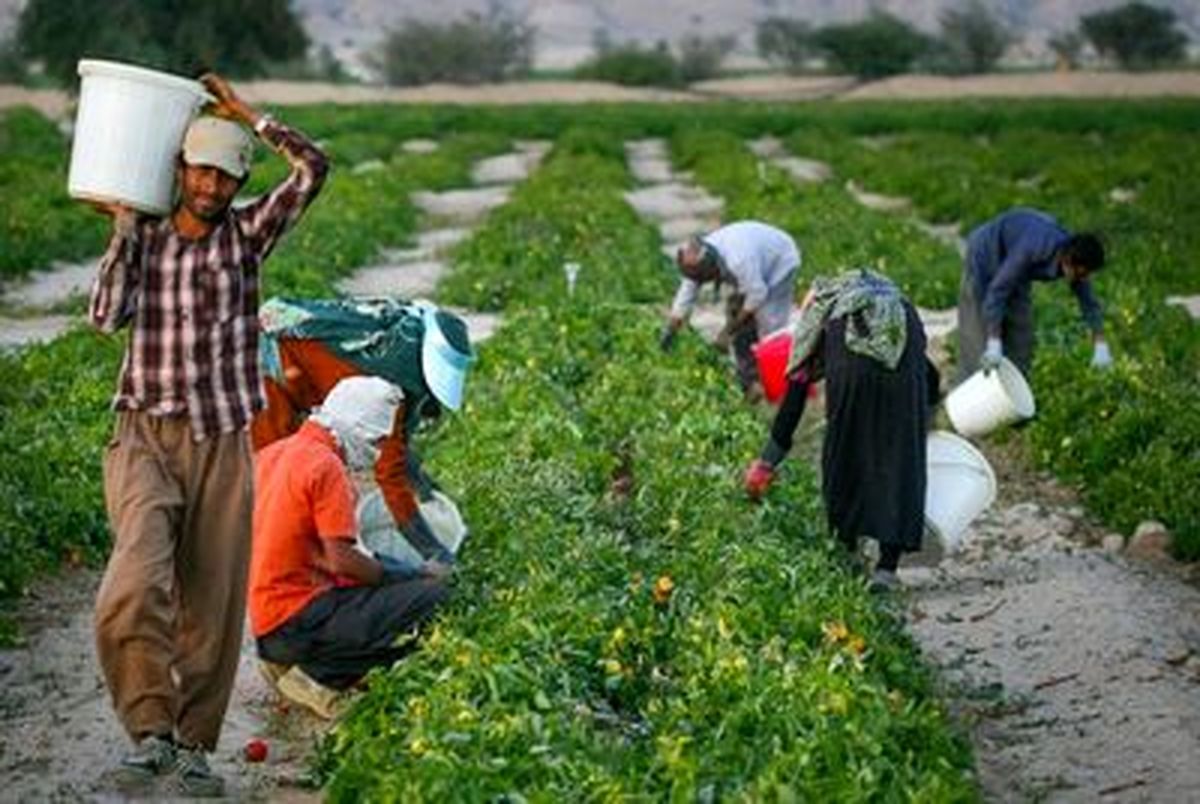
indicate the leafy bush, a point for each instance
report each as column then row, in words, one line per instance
column 633, row 65
column 1067, row 47
column 239, row 39
column 473, row 49
column 700, row 56
column 12, row 65
column 1137, row 35
column 973, row 39
column 879, row 46
column 785, row 42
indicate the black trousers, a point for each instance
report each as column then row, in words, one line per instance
column 346, row 631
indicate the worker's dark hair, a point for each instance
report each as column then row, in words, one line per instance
column 1084, row 250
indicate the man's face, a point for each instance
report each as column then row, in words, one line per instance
column 1072, row 271
column 206, row 191
column 690, row 258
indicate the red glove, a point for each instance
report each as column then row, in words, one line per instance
column 759, row 475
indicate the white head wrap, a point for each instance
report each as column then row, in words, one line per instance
column 359, row 411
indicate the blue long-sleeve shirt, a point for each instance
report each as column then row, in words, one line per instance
column 1013, row 250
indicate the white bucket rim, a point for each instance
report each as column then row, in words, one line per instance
column 981, row 465
column 1016, row 387
column 966, row 446
column 116, row 69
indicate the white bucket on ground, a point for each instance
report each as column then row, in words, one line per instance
column 128, row 132
column 986, row 402
column 960, row 486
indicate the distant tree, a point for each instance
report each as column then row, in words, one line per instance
column 1137, row 35
column 881, row 45
column 475, row 48
column 12, row 66
column 974, row 40
column 239, row 39
column 783, row 42
column 700, row 57
column 632, row 64
column 1067, row 48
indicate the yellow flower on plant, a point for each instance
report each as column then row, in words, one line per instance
column 835, row 631
column 663, row 588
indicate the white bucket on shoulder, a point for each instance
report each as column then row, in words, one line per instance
column 960, row 486
column 985, row 402
column 128, row 131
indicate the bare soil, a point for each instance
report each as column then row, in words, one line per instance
column 58, row 733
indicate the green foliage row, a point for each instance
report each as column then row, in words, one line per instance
column 625, row 624
column 39, row 222
column 518, row 259
column 54, row 424
column 834, row 232
column 1129, row 438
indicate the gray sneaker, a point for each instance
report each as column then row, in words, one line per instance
column 192, row 777
column 154, row 756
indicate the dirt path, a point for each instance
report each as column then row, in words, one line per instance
column 57, row 729
column 1073, row 667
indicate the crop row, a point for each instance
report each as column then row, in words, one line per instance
column 625, row 624
column 833, row 231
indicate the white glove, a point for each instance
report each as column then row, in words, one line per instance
column 992, row 355
column 1101, row 356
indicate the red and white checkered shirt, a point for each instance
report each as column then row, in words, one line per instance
column 193, row 304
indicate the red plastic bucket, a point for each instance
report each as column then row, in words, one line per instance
column 772, row 353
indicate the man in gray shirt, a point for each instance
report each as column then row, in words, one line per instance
column 762, row 262
column 1005, row 256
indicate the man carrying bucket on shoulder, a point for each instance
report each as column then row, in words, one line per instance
column 762, row 262
column 178, row 472
column 1005, row 256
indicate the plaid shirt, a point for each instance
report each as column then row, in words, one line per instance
column 193, row 304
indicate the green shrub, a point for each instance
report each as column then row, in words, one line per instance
column 879, row 46
column 633, row 65
column 473, row 49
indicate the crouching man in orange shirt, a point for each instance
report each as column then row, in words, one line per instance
column 324, row 612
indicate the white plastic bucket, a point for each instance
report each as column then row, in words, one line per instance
column 960, row 486
column 378, row 532
column 128, row 131
column 987, row 402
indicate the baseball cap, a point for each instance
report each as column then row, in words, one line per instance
column 219, row 143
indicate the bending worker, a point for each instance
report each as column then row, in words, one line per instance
column 322, row 611
column 862, row 336
column 308, row 346
column 1005, row 256
column 762, row 262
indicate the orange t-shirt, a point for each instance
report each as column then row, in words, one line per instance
column 302, row 494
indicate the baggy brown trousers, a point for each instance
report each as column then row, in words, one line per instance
column 170, row 609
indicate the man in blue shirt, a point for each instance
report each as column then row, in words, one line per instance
column 1005, row 256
